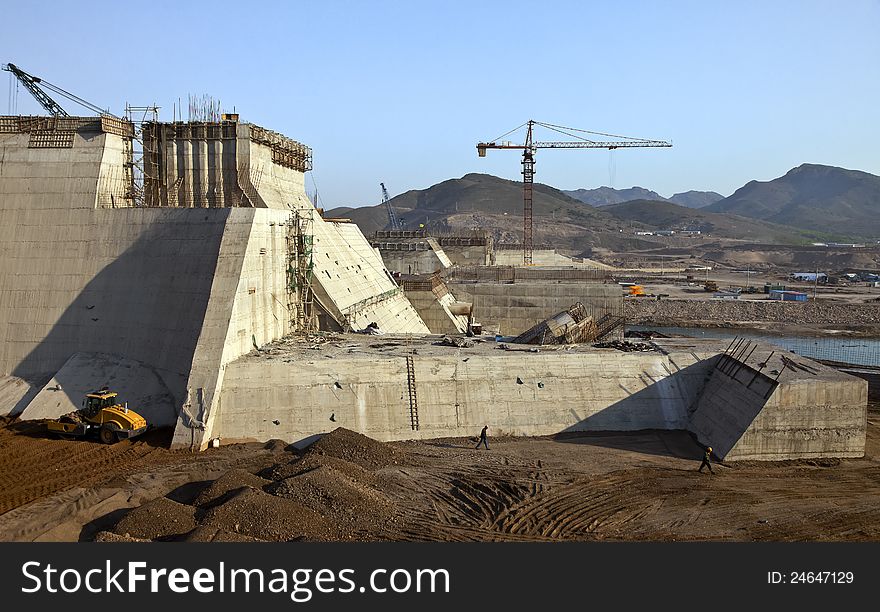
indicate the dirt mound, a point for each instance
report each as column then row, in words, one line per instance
column 159, row 518
column 277, row 446
column 282, row 471
column 230, row 481
column 357, row 448
column 257, row 514
column 213, row 534
column 352, row 506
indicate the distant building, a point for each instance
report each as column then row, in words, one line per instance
column 664, row 233
column 787, row 296
column 691, row 232
column 809, row 276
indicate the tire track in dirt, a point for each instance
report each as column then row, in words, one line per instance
column 33, row 466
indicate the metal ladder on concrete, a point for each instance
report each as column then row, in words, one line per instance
column 413, row 400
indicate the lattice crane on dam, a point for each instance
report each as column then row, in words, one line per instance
column 531, row 146
column 35, row 86
column 393, row 220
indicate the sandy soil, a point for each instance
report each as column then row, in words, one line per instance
column 608, row 486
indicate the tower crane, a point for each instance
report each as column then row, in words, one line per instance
column 393, row 221
column 35, row 85
column 531, row 146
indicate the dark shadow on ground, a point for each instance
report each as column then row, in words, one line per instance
column 661, row 442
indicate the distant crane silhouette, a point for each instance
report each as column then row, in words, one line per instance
column 393, row 221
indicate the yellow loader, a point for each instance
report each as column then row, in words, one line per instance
column 104, row 413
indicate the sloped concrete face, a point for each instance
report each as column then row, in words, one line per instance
column 14, row 392
column 137, row 384
column 352, row 282
column 812, row 413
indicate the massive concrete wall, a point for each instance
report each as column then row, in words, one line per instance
column 353, row 284
column 179, row 290
column 85, row 175
column 510, row 309
column 544, row 257
column 740, row 412
column 521, row 394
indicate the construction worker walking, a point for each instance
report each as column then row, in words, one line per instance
column 483, row 439
column 706, row 460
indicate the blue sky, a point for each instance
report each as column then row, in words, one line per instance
column 400, row 92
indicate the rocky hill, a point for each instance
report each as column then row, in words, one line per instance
column 669, row 216
column 813, row 197
column 605, row 196
column 696, row 199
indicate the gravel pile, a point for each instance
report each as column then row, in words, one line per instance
column 263, row 516
column 159, row 518
column 230, row 481
column 356, row 448
column 331, row 493
column 821, row 312
column 281, row 471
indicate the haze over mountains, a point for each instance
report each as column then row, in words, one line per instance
column 808, row 202
column 604, row 196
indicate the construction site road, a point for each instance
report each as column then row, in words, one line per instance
column 593, row 486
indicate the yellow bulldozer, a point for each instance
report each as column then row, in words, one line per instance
column 101, row 412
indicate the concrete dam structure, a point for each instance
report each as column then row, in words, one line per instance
column 197, row 298
column 227, row 253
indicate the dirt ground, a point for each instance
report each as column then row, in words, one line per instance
column 599, row 486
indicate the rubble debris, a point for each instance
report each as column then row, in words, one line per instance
column 454, row 342
column 644, row 334
column 372, row 329
column 570, row 326
column 230, row 481
column 626, row 346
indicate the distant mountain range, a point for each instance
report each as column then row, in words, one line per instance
column 811, row 201
column 472, row 194
column 605, row 196
column 482, row 201
column 812, row 197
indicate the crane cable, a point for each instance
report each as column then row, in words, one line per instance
column 558, row 128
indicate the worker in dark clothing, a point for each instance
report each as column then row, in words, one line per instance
column 483, row 440
column 706, row 463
